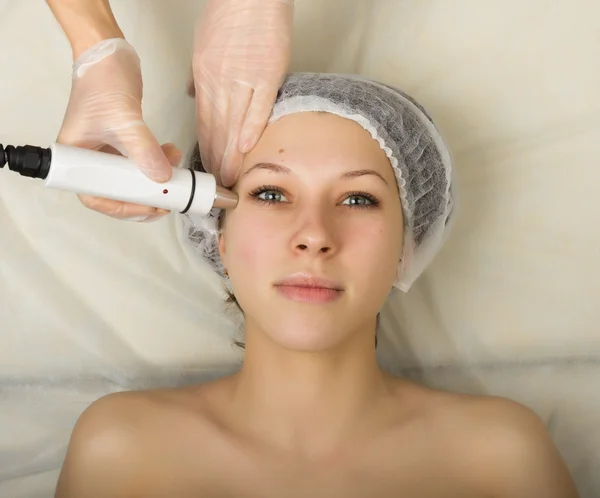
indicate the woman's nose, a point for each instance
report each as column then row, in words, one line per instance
column 315, row 234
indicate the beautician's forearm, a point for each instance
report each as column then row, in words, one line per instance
column 85, row 22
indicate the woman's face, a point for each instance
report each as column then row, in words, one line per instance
column 312, row 249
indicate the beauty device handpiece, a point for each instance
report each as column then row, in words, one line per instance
column 100, row 174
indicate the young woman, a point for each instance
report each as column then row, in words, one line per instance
column 347, row 194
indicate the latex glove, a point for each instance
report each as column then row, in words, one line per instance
column 105, row 113
column 241, row 55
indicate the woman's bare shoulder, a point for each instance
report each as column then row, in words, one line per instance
column 115, row 438
column 504, row 442
column 516, row 442
column 132, row 411
column 494, row 416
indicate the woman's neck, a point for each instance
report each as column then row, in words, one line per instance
column 304, row 402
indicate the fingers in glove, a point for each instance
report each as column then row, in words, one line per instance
column 125, row 210
column 172, row 153
column 219, row 130
column 143, row 219
column 241, row 96
column 118, row 209
column 140, row 146
column 204, row 109
column 257, row 117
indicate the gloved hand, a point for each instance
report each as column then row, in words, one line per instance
column 105, row 113
column 241, row 54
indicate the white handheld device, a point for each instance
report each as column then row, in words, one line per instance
column 100, row 174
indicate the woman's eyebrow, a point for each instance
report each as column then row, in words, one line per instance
column 277, row 168
column 362, row 172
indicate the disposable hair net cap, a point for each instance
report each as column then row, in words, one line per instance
column 418, row 155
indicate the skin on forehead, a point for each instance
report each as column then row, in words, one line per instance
column 358, row 152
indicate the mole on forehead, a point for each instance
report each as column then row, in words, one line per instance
column 281, row 151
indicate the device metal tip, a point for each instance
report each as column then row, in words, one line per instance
column 225, row 199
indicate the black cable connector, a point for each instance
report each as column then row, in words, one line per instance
column 26, row 160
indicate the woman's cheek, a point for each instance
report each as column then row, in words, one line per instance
column 376, row 246
column 255, row 241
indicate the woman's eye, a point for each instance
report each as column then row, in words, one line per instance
column 356, row 200
column 271, row 196
column 268, row 195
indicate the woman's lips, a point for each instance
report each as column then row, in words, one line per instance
column 307, row 288
column 308, row 294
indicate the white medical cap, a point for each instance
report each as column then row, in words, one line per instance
column 413, row 145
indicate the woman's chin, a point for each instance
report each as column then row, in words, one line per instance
column 306, row 334
column 298, row 327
